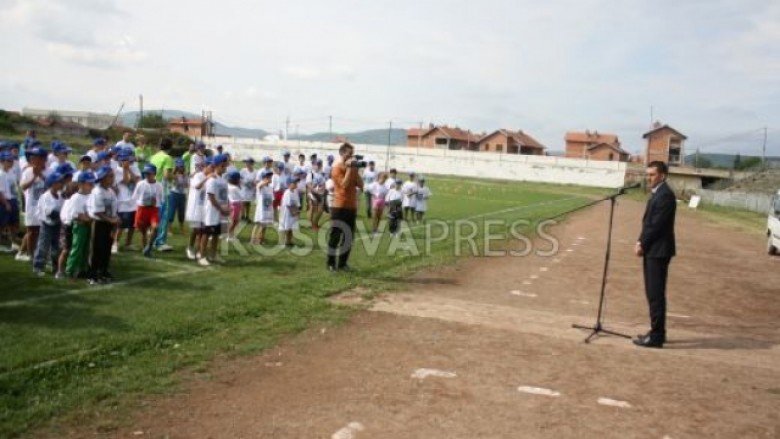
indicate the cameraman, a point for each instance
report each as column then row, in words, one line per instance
column 343, row 211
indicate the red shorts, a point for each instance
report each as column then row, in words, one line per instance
column 146, row 217
column 278, row 199
column 235, row 210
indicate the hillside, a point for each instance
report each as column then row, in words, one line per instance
column 375, row 137
column 725, row 161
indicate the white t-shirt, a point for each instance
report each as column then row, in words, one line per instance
column 409, row 189
column 49, row 205
column 264, row 211
column 124, row 193
column 235, row 193
column 218, row 187
column 196, row 198
column 290, row 201
column 102, row 200
column 148, row 194
column 65, row 215
column 393, row 195
column 390, row 182
column 7, row 185
column 248, row 184
column 32, row 194
column 78, row 205
column 369, row 176
column 330, row 186
column 277, row 182
column 423, row 193
column 377, row 190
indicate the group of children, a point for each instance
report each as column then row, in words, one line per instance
column 75, row 215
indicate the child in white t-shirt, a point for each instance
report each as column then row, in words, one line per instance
column 196, row 199
column 409, row 189
column 395, row 213
column 378, row 192
column 48, row 213
column 216, row 207
column 290, row 211
column 423, row 193
column 236, row 200
column 264, row 210
column 148, row 197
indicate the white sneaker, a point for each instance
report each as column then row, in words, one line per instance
column 15, row 246
column 190, row 254
column 114, row 249
column 203, row 262
column 164, row 248
column 22, row 257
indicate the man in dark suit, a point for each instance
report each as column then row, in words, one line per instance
column 656, row 246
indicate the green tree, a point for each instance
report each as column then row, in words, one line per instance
column 703, row 162
column 152, row 120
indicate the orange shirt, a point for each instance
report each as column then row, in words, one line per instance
column 345, row 194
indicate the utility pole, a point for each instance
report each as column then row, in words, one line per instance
column 287, row 128
column 387, row 152
column 140, row 110
column 763, row 151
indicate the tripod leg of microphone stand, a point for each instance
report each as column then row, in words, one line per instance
column 617, row 334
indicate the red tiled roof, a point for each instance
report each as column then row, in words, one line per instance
column 658, row 127
column 520, row 137
column 591, row 137
column 454, row 133
column 611, row 146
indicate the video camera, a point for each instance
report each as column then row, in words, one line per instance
column 358, row 161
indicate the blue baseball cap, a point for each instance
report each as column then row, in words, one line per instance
column 99, row 141
column 179, row 163
column 3, row 145
column 60, row 148
column 54, row 177
column 249, row 160
column 6, row 156
column 149, row 169
column 65, row 169
column 286, row 154
column 330, row 157
column 267, row 159
column 115, row 149
column 266, row 173
column 37, row 151
column 86, row 158
column 291, row 180
column 200, row 145
column 102, row 172
column 280, row 165
column 219, row 159
column 103, row 155
column 127, row 150
column 234, row 175
column 399, row 182
column 86, row 177
column 208, row 161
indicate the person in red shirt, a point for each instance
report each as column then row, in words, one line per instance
column 343, row 211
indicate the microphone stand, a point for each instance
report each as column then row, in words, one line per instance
column 598, row 328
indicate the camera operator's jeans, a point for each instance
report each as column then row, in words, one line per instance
column 342, row 235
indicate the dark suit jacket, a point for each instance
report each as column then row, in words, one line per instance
column 657, row 238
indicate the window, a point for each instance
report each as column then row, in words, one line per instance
column 611, row 157
column 441, row 141
column 500, row 147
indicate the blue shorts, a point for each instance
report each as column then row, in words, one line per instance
column 9, row 217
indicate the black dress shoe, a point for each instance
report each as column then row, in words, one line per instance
column 648, row 342
column 648, row 334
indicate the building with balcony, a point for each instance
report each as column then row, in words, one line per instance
column 666, row 144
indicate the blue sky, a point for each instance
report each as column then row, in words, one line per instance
column 710, row 68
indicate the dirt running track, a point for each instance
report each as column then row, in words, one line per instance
column 504, row 361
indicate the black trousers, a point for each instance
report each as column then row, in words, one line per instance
column 656, row 272
column 102, row 241
column 369, row 200
column 342, row 235
column 395, row 215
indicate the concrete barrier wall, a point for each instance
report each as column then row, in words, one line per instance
column 754, row 202
column 445, row 162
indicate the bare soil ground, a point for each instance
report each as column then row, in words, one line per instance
column 488, row 328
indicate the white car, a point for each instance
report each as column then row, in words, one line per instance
column 773, row 226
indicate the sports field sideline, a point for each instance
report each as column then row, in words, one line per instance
column 72, row 352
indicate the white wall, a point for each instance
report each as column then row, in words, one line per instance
column 443, row 162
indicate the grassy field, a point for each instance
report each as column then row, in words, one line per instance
column 71, row 353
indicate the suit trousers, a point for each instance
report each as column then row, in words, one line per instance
column 656, row 271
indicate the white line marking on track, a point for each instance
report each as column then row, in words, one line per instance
column 581, row 238
column 679, row 316
column 538, row 391
column 534, row 276
column 527, row 282
column 614, row 403
column 421, row 374
column 349, row 431
column 522, row 294
column 543, row 269
column 569, row 250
